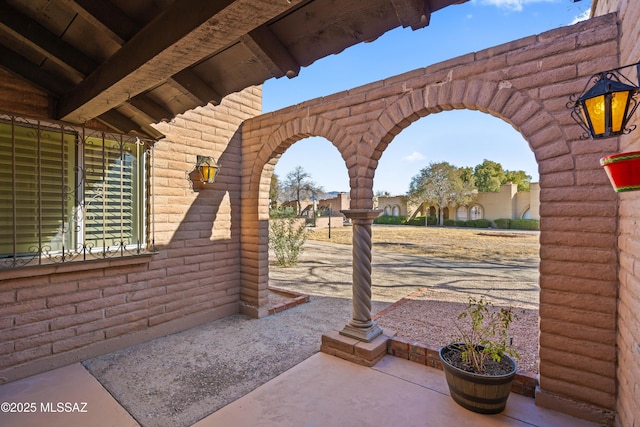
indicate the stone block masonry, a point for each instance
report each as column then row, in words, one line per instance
column 54, row 315
column 527, row 83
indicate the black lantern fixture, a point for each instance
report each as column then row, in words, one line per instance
column 604, row 109
column 207, row 168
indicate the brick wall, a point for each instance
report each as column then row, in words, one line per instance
column 51, row 316
column 527, row 83
column 628, row 340
column 16, row 96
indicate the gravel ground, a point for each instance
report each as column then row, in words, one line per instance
column 180, row 379
column 433, row 291
column 428, row 316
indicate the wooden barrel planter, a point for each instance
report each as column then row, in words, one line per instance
column 485, row 394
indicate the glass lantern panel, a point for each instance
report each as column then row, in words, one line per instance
column 618, row 109
column 595, row 111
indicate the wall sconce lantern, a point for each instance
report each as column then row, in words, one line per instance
column 604, row 110
column 207, row 168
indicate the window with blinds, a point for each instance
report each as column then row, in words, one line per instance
column 70, row 194
column 36, row 173
column 113, row 194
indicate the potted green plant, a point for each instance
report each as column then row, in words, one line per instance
column 479, row 364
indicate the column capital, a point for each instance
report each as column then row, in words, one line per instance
column 361, row 214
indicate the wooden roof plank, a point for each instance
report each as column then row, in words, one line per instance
column 105, row 17
column 44, row 42
column 29, row 71
column 271, row 52
column 170, row 43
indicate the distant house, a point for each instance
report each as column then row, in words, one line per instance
column 506, row 203
column 322, row 209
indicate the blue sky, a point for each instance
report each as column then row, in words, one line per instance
column 453, row 31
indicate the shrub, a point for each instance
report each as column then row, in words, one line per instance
column 460, row 223
column 288, row 212
column 484, row 334
column 389, row 219
column 287, row 235
column 503, row 223
column 525, row 224
column 479, row 223
column 419, row 220
column 449, row 222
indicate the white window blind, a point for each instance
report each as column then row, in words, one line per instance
column 68, row 193
column 113, row 194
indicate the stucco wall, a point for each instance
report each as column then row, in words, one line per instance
column 527, row 83
column 54, row 315
column 507, row 203
column 628, row 340
column 500, row 204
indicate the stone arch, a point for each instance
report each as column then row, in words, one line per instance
column 284, row 137
column 525, row 83
column 501, row 100
column 255, row 275
column 554, row 156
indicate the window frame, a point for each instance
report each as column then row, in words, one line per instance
column 127, row 195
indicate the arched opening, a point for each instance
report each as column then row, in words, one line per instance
column 476, row 212
column 570, row 181
column 440, row 138
column 321, row 271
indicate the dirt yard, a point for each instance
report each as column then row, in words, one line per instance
column 446, row 242
column 451, row 264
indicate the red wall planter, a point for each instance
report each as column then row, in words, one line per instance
column 623, row 170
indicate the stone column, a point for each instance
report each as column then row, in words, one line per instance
column 361, row 326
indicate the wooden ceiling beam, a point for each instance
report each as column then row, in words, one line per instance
column 193, row 84
column 105, row 17
column 412, row 13
column 174, row 41
column 271, row 52
column 123, row 124
column 151, row 109
column 45, row 43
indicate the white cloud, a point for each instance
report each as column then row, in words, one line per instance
column 413, row 157
column 512, row 5
column 582, row 17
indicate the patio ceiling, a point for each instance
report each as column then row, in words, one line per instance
column 129, row 64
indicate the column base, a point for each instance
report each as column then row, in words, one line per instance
column 366, row 334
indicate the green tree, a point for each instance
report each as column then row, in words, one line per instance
column 299, row 185
column 520, row 178
column 442, row 184
column 489, row 176
column 466, row 174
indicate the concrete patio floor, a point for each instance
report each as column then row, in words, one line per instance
column 323, row 390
